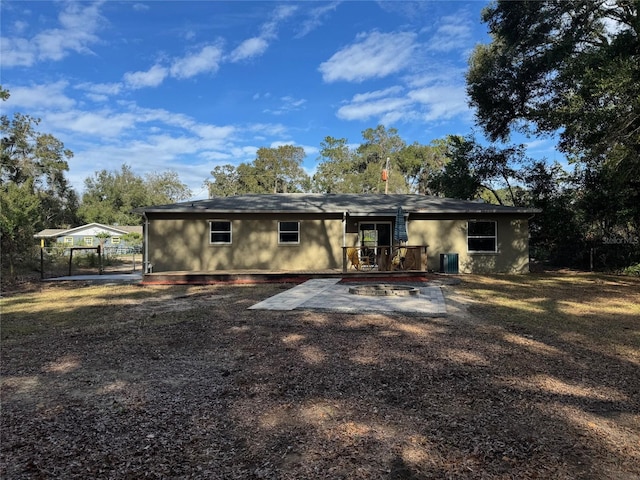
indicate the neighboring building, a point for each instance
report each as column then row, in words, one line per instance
column 87, row 236
column 314, row 232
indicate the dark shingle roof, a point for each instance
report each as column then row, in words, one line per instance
column 353, row 204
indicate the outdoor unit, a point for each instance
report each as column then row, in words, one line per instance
column 449, row 263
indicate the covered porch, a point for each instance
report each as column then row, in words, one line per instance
column 385, row 258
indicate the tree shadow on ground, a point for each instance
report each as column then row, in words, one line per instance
column 213, row 390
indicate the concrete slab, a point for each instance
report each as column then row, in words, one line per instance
column 297, row 295
column 329, row 295
column 107, row 277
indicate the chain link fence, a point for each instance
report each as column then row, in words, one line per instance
column 58, row 261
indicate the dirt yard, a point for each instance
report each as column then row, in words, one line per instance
column 531, row 378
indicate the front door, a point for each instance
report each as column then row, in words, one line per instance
column 374, row 235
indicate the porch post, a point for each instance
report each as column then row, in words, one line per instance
column 344, row 242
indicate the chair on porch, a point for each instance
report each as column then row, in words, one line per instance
column 397, row 262
column 354, row 257
column 367, row 257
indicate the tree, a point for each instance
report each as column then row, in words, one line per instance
column 336, row 172
column 344, row 170
column 474, row 171
column 279, row 170
column 557, row 232
column 225, row 183
column 39, row 160
column 274, row 170
column 18, row 209
column 570, row 67
column 34, row 192
column 166, row 187
column 420, row 163
column 379, row 145
column 110, row 196
column 457, row 179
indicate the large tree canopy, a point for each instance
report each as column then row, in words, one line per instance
column 359, row 170
column 570, row 67
column 110, row 196
column 34, row 192
column 274, row 170
column 473, row 171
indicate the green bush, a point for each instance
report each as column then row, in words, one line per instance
column 632, row 270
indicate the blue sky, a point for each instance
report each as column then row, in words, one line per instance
column 186, row 86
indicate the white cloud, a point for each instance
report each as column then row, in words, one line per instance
column 252, row 47
column 442, row 102
column 376, row 108
column 281, row 13
column 270, row 129
column 204, row 61
column 455, row 32
column 39, row 97
column 151, row 78
column 17, row 52
column 374, row 55
column 246, row 153
column 20, row 26
column 100, row 124
column 101, row 89
column 256, row 46
column 442, row 73
column 430, row 103
column 364, row 97
column 216, row 156
column 316, row 17
column 79, row 24
column 289, row 104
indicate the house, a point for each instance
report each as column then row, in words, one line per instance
column 90, row 236
column 317, row 232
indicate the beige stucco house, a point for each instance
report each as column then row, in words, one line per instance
column 317, row 232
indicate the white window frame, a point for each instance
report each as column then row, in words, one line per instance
column 288, row 232
column 67, row 241
column 87, row 241
column 223, row 232
column 472, row 237
column 115, row 240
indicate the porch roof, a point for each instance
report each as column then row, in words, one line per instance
column 352, row 204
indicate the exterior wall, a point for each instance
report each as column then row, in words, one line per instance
column 79, row 236
column 79, row 241
column 446, row 235
column 182, row 244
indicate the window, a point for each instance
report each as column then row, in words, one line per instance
column 67, row 241
column 88, row 241
column 115, row 240
column 482, row 236
column 220, row 232
column 289, row 232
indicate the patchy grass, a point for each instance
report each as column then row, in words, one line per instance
column 528, row 377
column 594, row 309
column 85, row 305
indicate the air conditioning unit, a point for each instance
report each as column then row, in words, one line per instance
column 449, row 263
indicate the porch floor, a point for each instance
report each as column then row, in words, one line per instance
column 261, row 276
